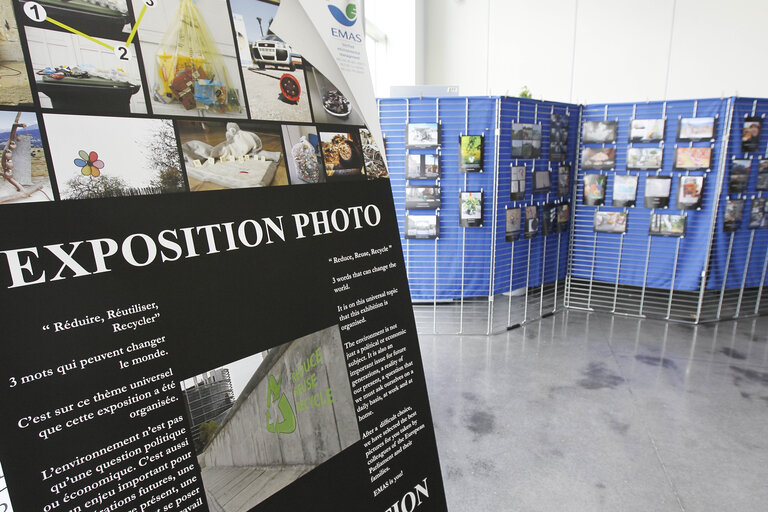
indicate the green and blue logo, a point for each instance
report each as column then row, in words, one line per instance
column 346, row 17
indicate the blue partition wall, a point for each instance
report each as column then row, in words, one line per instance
column 472, row 262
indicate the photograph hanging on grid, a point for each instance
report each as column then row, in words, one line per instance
column 471, row 153
column 693, row 159
column 549, row 219
column 738, row 181
column 512, row 226
column 422, row 135
column 563, row 217
column 471, row 209
column 624, row 190
column 599, row 132
column 750, row 134
column 667, row 224
column 531, row 221
column 542, row 181
column 762, row 175
column 646, row 130
column 526, row 140
column 598, row 159
column 594, row 189
column 422, row 198
column 422, row 226
column 734, row 211
column 558, row 137
column 610, row 222
column 517, row 183
column 564, row 180
column 644, row 159
column 657, row 190
column 692, row 129
column 689, row 191
column 758, row 217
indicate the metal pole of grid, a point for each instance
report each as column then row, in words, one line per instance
column 592, row 271
column 645, row 271
column 725, row 276
column 674, row 276
column 543, row 270
column 495, row 218
column 527, row 280
column 715, row 208
column 746, row 271
column 437, row 218
column 463, row 229
column 574, row 199
column 557, row 264
column 762, row 284
column 618, row 270
column 511, row 276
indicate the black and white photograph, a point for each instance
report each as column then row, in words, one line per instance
column 667, row 224
column 598, row 159
column 564, row 180
column 517, row 183
column 750, row 134
column 471, row 209
column 512, row 226
column 422, row 135
column 257, row 427
column 624, row 190
column 646, row 130
column 531, row 221
column 734, row 211
column 738, row 180
column 422, row 226
column 542, row 181
column 657, row 190
column 689, row 192
column 422, row 198
column 594, row 189
column 758, row 216
column 558, row 137
column 599, row 132
column 526, row 140
column 644, row 159
column 610, row 222
column 692, row 129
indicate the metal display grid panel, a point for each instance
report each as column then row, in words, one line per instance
column 674, row 278
column 461, row 282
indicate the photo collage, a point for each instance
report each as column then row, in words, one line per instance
column 211, row 98
column 651, row 191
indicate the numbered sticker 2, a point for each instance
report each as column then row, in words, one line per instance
column 122, row 53
column 35, row 11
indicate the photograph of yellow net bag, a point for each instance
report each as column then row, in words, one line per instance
column 190, row 68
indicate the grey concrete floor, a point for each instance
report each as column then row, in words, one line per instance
column 587, row 412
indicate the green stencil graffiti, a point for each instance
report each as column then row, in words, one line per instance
column 275, row 396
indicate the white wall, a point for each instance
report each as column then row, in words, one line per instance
column 395, row 62
column 622, row 48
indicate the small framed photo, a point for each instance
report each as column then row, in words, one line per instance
column 750, row 135
column 646, row 130
column 471, row 209
column 644, row 159
column 471, row 153
column 762, row 175
column 542, row 181
column 422, row 226
column 692, row 129
column 667, row 224
column 422, row 198
column 657, row 190
column 599, row 132
column 517, row 183
column 734, row 210
column 431, row 166
column 531, row 221
column 594, row 189
column 624, row 190
column 549, row 219
column 564, row 180
column 758, row 217
column 598, row 159
column 739, row 178
column 692, row 159
column 689, row 192
column 526, row 140
column 414, row 169
column 563, row 217
column 422, row 135
column 558, row 137
column 513, row 225
column 610, row 222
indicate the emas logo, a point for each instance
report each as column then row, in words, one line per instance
column 347, row 16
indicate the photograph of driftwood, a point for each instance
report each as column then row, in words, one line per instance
column 294, row 412
column 25, row 172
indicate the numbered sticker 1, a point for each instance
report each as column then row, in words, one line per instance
column 122, row 53
column 35, row 11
